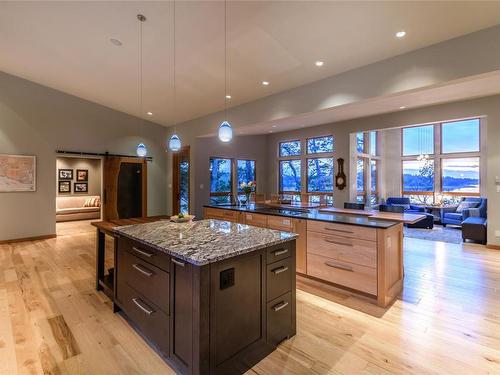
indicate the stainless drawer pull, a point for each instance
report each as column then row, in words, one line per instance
column 144, row 307
column 339, row 266
column 280, row 252
column 338, row 230
column 282, row 269
column 280, row 306
column 178, row 262
column 143, row 252
column 338, row 243
column 143, row 270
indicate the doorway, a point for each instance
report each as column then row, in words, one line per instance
column 180, row 178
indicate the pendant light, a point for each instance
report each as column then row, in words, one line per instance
column 174, row 144
column 225, row 129
column 141, row 149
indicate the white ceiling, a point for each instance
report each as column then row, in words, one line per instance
column 65, row 45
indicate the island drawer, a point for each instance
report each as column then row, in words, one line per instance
column 151, row 321
column 346, row 249
column 257, row 220
column 221, row 214
column 149, row 280
column 279, row 278
column 344, row 230
column 278, row 252
column 145, row 252
column 347, row 274
column 279, row 319
column 280, row 223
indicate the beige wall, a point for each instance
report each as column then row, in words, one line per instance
column 94, row 174
column 36, row 120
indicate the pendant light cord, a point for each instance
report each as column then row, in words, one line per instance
column 141, row 19
column 175, row 87
column 225, row 60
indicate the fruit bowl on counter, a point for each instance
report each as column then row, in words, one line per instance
column 182, row 218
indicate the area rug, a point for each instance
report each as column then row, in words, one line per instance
column 438, row 233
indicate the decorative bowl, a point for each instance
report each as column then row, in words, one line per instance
column 185, row 219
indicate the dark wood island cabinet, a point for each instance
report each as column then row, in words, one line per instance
column 212, row 297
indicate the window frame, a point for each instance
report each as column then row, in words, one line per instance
column 456, row 193
column 417, row 192
column 280, row 184
column 306, row 144
column 447, row 154
column 236, row 173
column 419, row 126
column 221, row 194
column 290, row 156
column 307, row 174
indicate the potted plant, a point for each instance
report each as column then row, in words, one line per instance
column 247, row 188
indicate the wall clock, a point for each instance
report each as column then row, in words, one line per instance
column 340, row 177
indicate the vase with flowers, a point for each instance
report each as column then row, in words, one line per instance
column 247, row 188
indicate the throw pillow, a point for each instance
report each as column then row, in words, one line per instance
column 87, row 202
column 464, row 205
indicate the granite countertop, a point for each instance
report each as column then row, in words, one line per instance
column 310, row 214
column 205, row 241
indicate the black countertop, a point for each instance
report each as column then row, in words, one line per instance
column 309, row 214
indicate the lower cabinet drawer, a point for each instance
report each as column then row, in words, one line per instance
column 152, row 282
column 278, row 252
column 350, row 275
column 279, row 278
column 344, row 249
column 280, row 223
column 150, row 320
column 256, row 220
column 144, row 252
column 279, row 319
column 221, row 214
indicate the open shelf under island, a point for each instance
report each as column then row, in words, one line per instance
column 212, row 297
column 350, row 249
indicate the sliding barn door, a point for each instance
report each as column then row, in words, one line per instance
column 125, row 188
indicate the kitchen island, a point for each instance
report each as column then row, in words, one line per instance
column 212, row 297
column 351, row 251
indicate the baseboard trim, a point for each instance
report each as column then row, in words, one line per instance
column 495, row 247
column 36, row 238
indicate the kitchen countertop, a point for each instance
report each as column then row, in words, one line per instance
column 311, row 214
column 205, row 241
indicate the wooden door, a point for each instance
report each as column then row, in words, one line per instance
column 117, row 173
column 181, row 169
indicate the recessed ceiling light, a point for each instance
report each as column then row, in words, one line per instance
column 319, row 63
column 228, row 96
column 150, row 113
column 274, row 126
column 402, row 107
column 116, row 42
column 270, row 131
column 401, row 34
column 265, row 83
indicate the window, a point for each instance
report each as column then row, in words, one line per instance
column 418, row 140
column 460, row 136
column 290, row 180
column 320, row 145
column 320, row 175
column 245, row 171
column 290, row 148
column 418, row 176
column 374, row 182
column 460, row 176
column 221, row 182
column 373, row 143
column 360, row 180
column 360, row 142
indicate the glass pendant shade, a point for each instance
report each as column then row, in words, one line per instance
column 225, row 132
column 141, row 150
column 174, row 144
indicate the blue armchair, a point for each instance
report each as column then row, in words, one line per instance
column 449, row 215
column 427, row 222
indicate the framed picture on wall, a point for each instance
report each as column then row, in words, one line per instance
column 82, row 174
column 81, row 187
column 64, row 187
column 66, row 174
column 17, row 173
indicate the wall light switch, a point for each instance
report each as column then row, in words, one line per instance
column 498, row 188
column 497, row 233
column 202, row 186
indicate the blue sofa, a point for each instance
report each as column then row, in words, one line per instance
column 449, row 215
column 409, row 208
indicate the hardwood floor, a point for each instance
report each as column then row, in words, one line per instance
column 447, row 321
